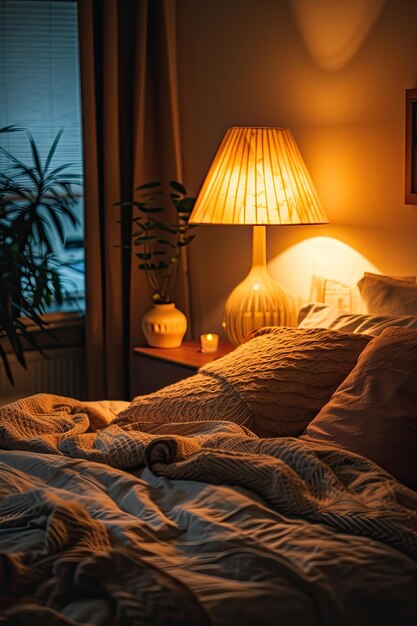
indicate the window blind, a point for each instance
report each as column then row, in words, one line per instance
column 39, row 77
column 40, row 91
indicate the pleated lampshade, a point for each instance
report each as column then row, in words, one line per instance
column 257, row 177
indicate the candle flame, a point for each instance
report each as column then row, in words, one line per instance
column 209, row 337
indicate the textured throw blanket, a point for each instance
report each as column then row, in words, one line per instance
column 56, row 425
column 308, row 534
column 313, row 481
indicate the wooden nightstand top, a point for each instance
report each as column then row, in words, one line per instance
column 188, row 354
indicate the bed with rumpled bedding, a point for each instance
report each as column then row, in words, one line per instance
column 108, row 519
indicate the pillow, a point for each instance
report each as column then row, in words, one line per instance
column 342, row 296
column 274, row 384
column 374, row 411
column 321, row 316
column 335, row 293
column 388, row 296
column 407, row 279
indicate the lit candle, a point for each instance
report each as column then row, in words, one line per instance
column 209, row 342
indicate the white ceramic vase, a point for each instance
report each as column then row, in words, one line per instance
column 164, row 326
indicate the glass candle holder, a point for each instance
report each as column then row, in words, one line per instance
column 209, row 342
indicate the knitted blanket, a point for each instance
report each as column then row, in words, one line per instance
column 321, row 484
column 53, row 424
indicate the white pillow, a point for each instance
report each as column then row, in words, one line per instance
column 388, row 296
column 315, row 315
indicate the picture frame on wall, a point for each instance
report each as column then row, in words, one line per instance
column 411, row 146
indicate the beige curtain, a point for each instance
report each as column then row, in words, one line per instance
column 131, row 136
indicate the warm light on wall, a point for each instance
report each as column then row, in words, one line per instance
column 333, row 32
column 257, row 177
column 324, row 256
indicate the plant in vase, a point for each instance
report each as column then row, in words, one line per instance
column 36, row 202
column 159, row 247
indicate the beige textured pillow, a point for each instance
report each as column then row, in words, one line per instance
column 374, row 411
column 321, row 316
column 388, row 296
column 274, row 384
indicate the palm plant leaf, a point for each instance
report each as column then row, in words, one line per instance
column 19, row 165
column 5, row 360
column 58, row 206
column 12, row 128
column 57, row 222
column 13, row 337
column 52, row 150
column 34, row 202
column 35, row 155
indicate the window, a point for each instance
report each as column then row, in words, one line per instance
column 40, row 91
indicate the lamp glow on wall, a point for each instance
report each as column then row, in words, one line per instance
column 257, row 177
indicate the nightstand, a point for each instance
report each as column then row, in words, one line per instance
column 157, row 367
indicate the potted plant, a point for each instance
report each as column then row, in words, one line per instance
column 36, row 201
column 159, row 247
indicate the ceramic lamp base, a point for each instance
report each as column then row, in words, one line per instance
column 164, row 326
column 257, row 301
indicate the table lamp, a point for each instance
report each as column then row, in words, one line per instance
column 257, row 177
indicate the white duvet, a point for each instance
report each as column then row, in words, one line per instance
column 249, row 532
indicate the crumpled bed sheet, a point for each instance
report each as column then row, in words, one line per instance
column 221, row 527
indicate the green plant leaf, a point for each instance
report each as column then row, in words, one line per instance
column 5, row 361
column 148, row 209
column 12, row 128
column 35, row 153
column 142, row 228
column 185, row 205
column 54, row 173
column 33, row 204
column 57, row 223
column 148, row 186
column 153, row 266
column 147, row 239
column 21, row 167
column 178, row 187
column 154, row 199
column 53, row 148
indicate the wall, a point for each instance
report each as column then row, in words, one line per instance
column 335, row 73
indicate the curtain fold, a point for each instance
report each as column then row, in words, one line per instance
column 131, row 135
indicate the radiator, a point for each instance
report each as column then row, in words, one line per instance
column 62, row 372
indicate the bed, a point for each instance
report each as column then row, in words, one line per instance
column 260, row 491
